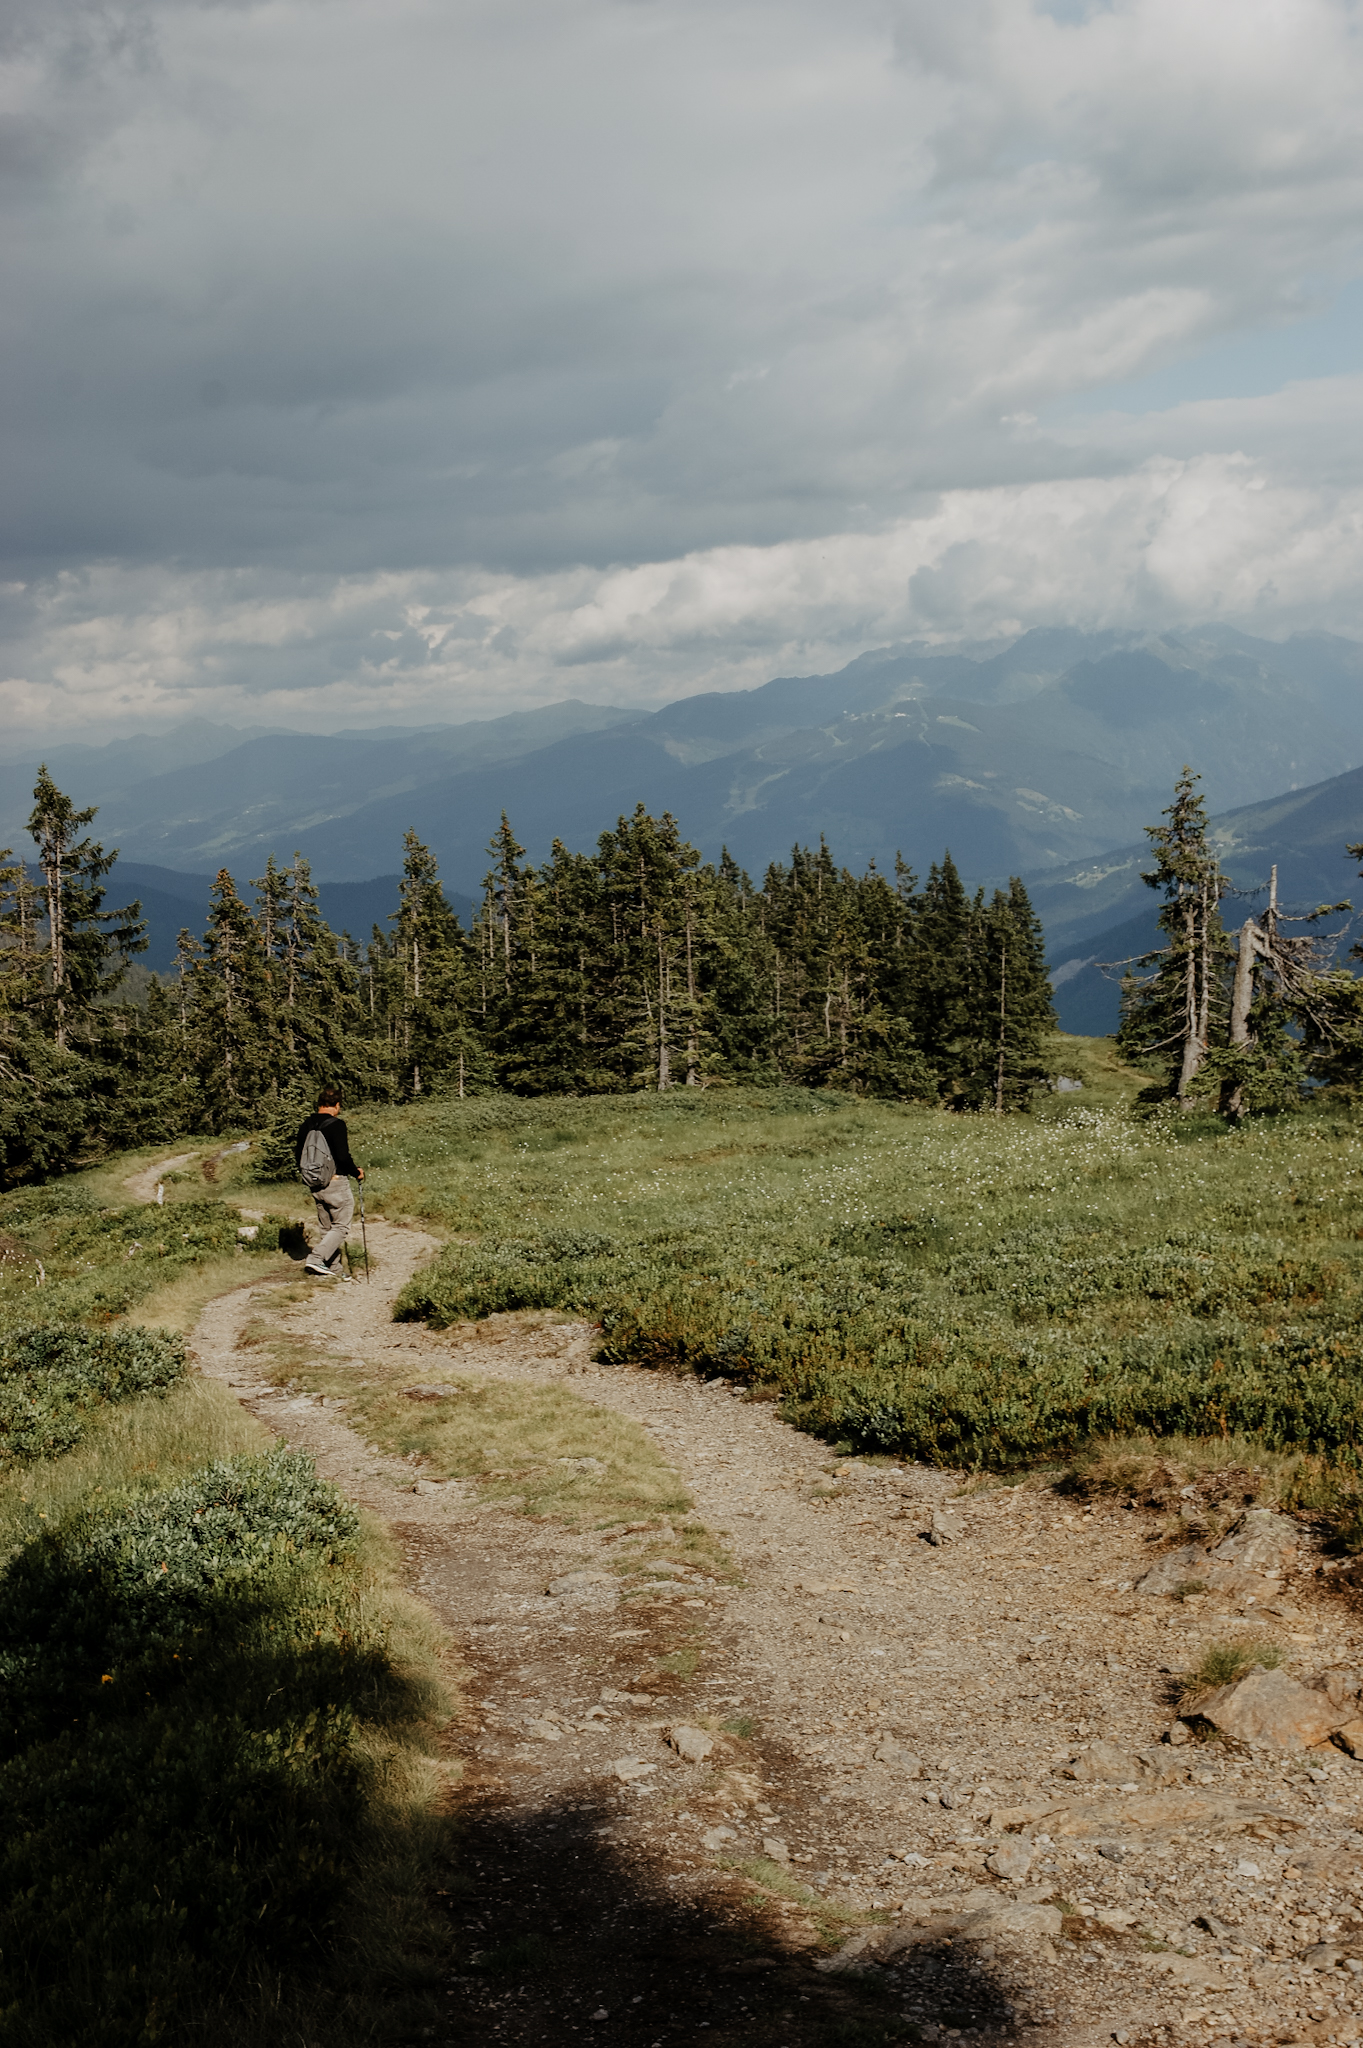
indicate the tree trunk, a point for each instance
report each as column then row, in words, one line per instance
column 664, row 1055
column 52, row 872
column 1193, row 1047
column 692, row 1032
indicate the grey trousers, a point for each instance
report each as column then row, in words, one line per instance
column 335, row 1208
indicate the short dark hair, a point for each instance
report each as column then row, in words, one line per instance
column 329, row 1097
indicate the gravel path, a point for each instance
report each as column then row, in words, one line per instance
column 142, row 1186
column 900, row 1713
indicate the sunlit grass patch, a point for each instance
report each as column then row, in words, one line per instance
column 144, row 1444
column 682, row 1663
column 544, row 1447
column 831, row 1916
column 970, row 1293
column 1221, row 1664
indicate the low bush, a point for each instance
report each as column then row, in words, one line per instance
column 884, row 1346
column 53, row 1375
column 188, row 1767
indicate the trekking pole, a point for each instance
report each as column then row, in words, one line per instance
column 364, row 1234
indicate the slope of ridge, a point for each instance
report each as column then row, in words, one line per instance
column 1053, row 750
column 1100, row 910
column 158, row 805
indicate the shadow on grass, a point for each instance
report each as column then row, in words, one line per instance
column 558, row 1928
column 204, row 1759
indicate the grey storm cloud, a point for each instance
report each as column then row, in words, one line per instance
column 413, row 358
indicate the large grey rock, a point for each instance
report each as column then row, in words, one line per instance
column 888, row 1751
column 1179, row 1568
column 1102, row 1763
column 1261, row 1541
column 983, row 1915
column 692, row 1744
column 1027, row 1923
column 1269, row 1710
column 1190, row 1972
column 1012, row 1858
column 585, row 1586
column 1258, row 1549
column 630, row 1768
column 1342, row 1685
column 1350, row 1737
column 945, row 1527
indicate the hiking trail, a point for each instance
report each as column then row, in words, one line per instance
column 906, row 1671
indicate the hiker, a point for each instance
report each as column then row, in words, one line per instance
column 322, row 1154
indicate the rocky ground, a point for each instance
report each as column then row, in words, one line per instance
column 909, row 1779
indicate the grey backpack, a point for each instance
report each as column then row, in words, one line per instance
column 315, row 1162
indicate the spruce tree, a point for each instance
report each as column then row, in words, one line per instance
column 556, row 1037
column 230, row 1023
column 1175, row 1006
column 436, row 1037
column 1012, row 1010
column 87, row 948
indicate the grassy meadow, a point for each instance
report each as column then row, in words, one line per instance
column 214, row 1784
column 214, row 1787
column 978, row 1292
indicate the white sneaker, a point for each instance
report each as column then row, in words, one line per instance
column 318, row 1272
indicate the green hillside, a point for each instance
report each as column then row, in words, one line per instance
column 964, row 1290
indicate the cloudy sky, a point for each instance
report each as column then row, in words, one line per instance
column 390, row 361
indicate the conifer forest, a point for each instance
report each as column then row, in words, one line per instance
column 637, row 966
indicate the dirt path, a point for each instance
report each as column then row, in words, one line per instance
column 900, row 1713
column 142, row 1186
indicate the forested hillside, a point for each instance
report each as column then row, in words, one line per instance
column 636, row 966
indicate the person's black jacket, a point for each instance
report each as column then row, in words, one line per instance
column 334, row 1131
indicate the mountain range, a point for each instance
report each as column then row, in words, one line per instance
column 1045, row 758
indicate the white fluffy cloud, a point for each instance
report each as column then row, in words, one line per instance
column 1173, row 541
column 411, row 360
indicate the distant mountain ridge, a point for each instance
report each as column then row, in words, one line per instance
column 1054, row 750
column 1045, row 758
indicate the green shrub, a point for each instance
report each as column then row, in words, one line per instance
column 38, row 1204
column 184, row 1776
column 97, row 1263
column 52, row 1375
column 876, row 1349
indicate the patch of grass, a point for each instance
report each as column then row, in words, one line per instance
column 142, row 1444
column 80, row 1262
column 517, row 1442
column 830, row 1915
column 179, row 1304
column 681, row 1663
column 1221, row 1664
column 742, row 1725
column 979, row 1293
column 211, row 1774
column 53, row 1376
column 1234, row 1469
